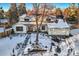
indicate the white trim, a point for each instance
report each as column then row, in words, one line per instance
column 24, row 28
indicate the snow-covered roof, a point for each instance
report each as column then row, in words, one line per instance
column 4, row 20
column 60, row 24
column 52, row 16
column 24, row 16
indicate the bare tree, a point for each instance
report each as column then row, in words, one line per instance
column 43, row 15
column 46, row 6
column 1, row 13
column 36, row 6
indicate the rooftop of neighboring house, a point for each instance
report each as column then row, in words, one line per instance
column 4, row 20
column 59, row 24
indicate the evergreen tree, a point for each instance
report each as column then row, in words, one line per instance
column 1, row 13
column 12, row 13
column 21, row 8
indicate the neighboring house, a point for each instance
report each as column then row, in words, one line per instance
column 4, row 22
column 5, row 28
column 60, row 28
column 5, row 32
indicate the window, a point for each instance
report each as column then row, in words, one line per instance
column 19, row 28
column 48, row 19
column 59, row 16
column 43, row 27
column 26, row 20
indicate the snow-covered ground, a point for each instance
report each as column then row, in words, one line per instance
column 8, row 43
column 74, row 31
column 68, row 46
column 65, row 47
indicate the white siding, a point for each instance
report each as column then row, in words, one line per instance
column 53, row 31
column 24, row 29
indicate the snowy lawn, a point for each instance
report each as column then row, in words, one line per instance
column 7, row 44
column 68, row 46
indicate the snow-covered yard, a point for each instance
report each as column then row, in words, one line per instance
column 19, row 44
column 65, row 47
column 74, row 31
column 8, row 43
